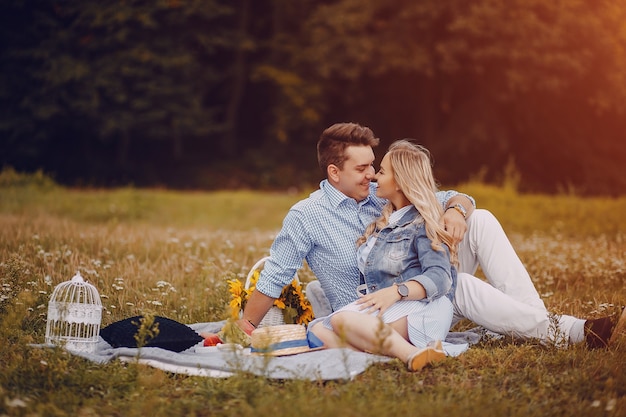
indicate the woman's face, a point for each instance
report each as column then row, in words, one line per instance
column 387, row 187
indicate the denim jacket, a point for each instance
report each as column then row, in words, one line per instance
column 402, row 252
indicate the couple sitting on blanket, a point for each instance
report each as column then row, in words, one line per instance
column 398, row 292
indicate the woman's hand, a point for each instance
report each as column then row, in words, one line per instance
column 379, row 301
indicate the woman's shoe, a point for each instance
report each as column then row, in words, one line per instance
column 425, row 356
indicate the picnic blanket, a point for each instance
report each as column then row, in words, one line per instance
column 326, row 364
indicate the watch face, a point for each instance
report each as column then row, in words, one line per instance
column 403, row 290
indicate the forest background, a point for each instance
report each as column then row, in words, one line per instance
column 216, row 94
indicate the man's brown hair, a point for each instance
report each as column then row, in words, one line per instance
column 334, row 140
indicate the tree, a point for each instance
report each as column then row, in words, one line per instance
column 130, row 75
column 480, row 82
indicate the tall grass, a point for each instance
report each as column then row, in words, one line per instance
column 170, row 253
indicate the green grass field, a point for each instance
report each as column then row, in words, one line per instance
column 171, row 253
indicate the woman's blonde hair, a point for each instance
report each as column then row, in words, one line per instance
column 412, row 171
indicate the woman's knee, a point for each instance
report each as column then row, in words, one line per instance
column 326, row 336
column 339, row 320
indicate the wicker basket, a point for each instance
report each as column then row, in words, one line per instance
column 74, row 315
column 274, row 317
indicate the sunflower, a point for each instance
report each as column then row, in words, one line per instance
column 292, row 302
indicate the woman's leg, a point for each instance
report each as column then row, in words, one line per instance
column 328, row 337
column 369, row 334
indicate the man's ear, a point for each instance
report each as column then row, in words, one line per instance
column 333, row 173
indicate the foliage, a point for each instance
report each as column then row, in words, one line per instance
column 10, row 178
column 177, row 264
column 147, row 330
column 233, row 94
column 119, row 72
column 520, row 45
column 485, row 81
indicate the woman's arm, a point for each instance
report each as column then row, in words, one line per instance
column 433, row 281
column 436, row 269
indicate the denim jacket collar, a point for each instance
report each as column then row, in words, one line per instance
column 407, row 218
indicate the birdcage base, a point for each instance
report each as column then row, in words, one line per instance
column 75, row 345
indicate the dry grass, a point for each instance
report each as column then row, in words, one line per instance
column 171, row 254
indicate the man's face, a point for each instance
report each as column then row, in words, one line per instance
column 354, row 179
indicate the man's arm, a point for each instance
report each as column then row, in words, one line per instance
column 286, row 254
column 257, row 306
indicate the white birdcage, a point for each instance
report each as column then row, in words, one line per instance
column 74, row 315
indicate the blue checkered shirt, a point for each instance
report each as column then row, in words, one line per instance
column 322, row 229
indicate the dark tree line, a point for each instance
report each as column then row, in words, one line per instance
column 234, row 93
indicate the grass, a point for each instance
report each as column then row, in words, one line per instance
column 171, row 253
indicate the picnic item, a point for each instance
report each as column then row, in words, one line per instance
column 291, row 307
column 74, row 315
column 166, row 334
column 274, row 316
column 286, row 339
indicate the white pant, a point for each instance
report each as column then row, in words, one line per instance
column 511, row 304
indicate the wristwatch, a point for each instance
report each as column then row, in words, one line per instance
column 403, row 290
column 459, row 207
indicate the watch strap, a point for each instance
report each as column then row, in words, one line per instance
column 459, row 207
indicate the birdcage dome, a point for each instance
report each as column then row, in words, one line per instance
column 74, row 315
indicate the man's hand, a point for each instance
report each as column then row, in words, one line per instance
column 455, row 224
column 453, row 221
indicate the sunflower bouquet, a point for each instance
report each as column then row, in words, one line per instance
column 292, row 303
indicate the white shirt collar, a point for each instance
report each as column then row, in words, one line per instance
column 397, row 215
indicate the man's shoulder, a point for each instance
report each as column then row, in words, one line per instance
column 314, row 200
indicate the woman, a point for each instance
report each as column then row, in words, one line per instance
column 407, row 274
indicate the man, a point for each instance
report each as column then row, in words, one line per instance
column 323, row 228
